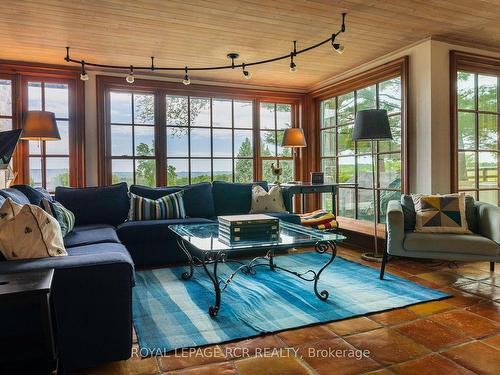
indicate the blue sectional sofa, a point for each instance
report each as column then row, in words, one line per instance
column 92, row 289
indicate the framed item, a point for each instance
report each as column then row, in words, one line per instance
column 317, row 177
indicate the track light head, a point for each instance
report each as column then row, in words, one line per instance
column 130, row 77
column 186, row 79
column 339, row 48
column 246, row 73
column 83, row 75
column 293, row 66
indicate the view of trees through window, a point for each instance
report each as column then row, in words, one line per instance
column 206, row 139
column 346, row 161
column 5, row 104
column 478, row 135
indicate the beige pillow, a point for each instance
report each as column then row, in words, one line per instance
column 8, row 210
column 263, row 201
column 441, row 213
column 32, row 233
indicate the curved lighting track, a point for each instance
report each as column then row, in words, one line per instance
column 152, row 67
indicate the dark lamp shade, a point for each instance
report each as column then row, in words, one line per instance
column 371, row 124
column 40, row 126
column 294, row 137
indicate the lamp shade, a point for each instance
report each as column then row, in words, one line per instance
column 40, row 126
column 294, row 137
column 371, row 124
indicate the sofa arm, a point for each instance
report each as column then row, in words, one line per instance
column 489, row 220
column 395, row 228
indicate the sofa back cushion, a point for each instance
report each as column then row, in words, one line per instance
column 410, row 214
column 16, row 195
column 96, row 205
column 198, row 200
column 35, row 195
column 233, row 198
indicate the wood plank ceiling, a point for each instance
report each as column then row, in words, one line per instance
column 202, row 32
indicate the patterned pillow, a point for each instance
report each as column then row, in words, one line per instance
column 440, row 213
column 263, row 201
column 170, row 206
column 32, row 233
column 64, row 217
column 9, row 209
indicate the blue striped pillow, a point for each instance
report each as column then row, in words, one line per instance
column 170, row 206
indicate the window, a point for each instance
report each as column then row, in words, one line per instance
column 132, row 133
column 54, row 89
column 274, row 119
column 49, row 160
column 344, row 161
column 156, row 133
column 208, row 139
column 477, row 134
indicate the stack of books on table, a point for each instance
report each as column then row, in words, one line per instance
column 235, row 229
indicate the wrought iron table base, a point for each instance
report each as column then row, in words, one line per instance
column 215, row 257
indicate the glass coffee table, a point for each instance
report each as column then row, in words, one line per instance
column 201, row 244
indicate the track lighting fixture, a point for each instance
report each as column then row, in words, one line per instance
column 339, row 48
column 186, row 79
column 246, row 73
column 130, row 77
column 84, row 76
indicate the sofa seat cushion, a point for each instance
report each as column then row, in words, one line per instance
column 91, row 234
column 152, row 230
column 451, row 243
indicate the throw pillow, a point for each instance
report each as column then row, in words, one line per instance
column 170, row 206
column 8, row 210
column 263, row 201
column 64, row 217
column 440, row 213
column 32, row 233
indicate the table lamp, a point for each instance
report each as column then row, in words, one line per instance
column 372, row 125
column 293, row 138
column 40, row 126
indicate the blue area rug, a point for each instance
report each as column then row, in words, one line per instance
column 170, row 313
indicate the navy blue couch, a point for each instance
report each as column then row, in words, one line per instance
column 92, row 292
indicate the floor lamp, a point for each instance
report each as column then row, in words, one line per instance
column 372, row 125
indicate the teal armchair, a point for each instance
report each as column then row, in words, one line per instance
column 482, row 245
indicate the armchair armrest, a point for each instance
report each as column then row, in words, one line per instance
column 395, row 228
column 489, row 220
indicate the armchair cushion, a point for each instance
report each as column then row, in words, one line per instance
column 451, row 243
column 395, row 228
column 489, row 221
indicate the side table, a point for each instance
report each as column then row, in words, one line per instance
column 27, row 343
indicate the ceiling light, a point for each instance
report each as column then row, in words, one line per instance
column 186, row 79
column 339, row 48
column 246, row 73
column 84, row 76
column 130, row 77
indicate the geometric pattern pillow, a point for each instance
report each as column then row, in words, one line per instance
column 170, row 206
column 64, row 217
column 441, row 213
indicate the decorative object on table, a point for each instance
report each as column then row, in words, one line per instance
column 170, row 206
column 319, row 219
column 441, row 213
column 64, row 217
column 31, row 233
column 294, row 138
column 267, row 201
column 247, row 228
column 276, row 170
column 8, row 142
column 372, row 125
column 317, row 178
column 17, row 291
column 270, row 302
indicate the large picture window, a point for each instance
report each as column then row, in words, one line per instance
column 477, row 128
column 5, row 104
column 156, row 134
column 344, row 161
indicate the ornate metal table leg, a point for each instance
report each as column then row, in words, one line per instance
column 215, row 258
column 270, row 254
column 322, row 247
column 187, row 275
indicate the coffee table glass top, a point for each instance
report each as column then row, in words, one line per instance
column 205, row 237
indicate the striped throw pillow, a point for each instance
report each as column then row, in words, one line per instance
column 170, row 206
column 64, row 217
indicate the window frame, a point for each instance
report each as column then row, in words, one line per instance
column 106, row 84
column 477, row 65
column 389, row 70
column 19, row 73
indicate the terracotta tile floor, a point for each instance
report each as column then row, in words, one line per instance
column 458, row 335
